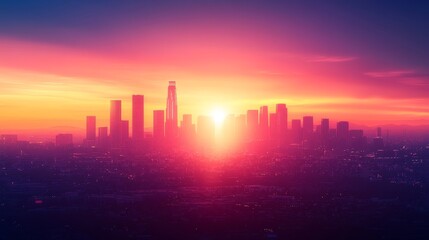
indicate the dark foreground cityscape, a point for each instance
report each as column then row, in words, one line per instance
column 255, row 177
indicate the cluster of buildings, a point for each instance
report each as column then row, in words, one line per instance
column 257, row 126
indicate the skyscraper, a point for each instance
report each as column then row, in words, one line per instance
column 115, row 122
column 138, row 118
column 343, row 130
column 307, row 126
column 263, row 122
column 281, row 113
column 171, row 112
column 252, row 124
column 158, row 124
column 324, row 130
column 90, row 128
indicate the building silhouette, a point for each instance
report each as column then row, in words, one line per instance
column 90, row 128
column 343, row 131
column 324, row 130
column 158, row 124
column 264, row 131
column 138, row 118
column 171, row 121
column 281, row 114
column 115, row 122
column 307, row 126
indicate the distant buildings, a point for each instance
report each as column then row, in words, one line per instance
column 64, row 140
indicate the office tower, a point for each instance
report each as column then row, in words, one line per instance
column 273, row 126
column 307, row 126
column 379, row 132
column 171, row 112
column 103, row 137
column 90, row 128
column 158, row 124
column 281, row 113
column 125, row 131
column 205, row 131
column 138, row 118
column 324, row 130
column 115, row 122
column 252, row 124
column 263, row 123
column 342, row 130
column 296, row 131
column 64, row 140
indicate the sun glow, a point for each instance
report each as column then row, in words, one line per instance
column 218, row 116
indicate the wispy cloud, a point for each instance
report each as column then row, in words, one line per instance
column 331, row 59
column 391, row 74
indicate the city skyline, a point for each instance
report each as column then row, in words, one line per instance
column 312, row 62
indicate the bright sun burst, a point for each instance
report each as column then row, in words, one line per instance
column 218, row 116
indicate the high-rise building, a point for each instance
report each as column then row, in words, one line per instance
column 171, row 112
column 343, row 130
column 307, row 126
column 379, row 132
column 138, row 118
column 252, row 124
column 90, row 128
column 324, row 130
column 158, row 124
column 115, row 122
column 281, row 113
column 264, row 131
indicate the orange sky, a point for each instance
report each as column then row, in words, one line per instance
column 53, row 74
column 47, row 86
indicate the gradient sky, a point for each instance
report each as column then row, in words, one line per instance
column 366, row 61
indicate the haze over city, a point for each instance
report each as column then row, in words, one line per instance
column 257, row 119
column 360, row 61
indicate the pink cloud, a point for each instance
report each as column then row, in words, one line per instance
column 331, row 59
column 390, row 74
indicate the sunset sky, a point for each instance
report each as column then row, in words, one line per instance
column 366, row 62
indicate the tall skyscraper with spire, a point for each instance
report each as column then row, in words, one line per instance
column 171, row 112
